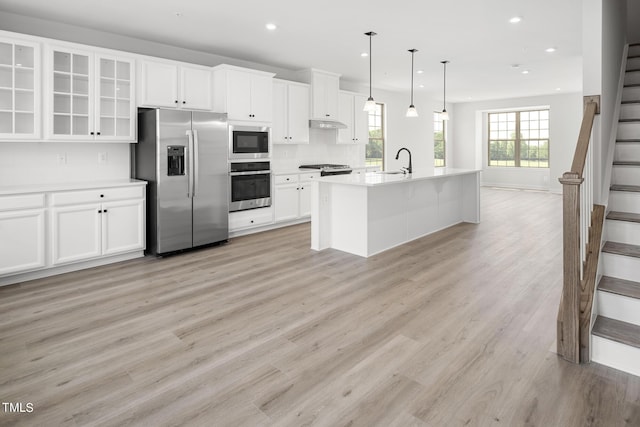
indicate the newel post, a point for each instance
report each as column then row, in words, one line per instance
column 569, row 313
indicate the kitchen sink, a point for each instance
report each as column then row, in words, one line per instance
column 392, row 172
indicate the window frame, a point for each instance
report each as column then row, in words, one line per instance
column 518, row 139
column 382, row 135
column 437, row 117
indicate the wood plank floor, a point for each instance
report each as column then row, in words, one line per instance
column 454, row 329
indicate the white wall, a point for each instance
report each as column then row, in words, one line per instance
column 26, row 163
column 633, row 21
column 470, row 142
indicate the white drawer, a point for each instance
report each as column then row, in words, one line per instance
column 286, row 179
column 96, row 195
column 309, row 176
column 25, row 201
column 250, row 218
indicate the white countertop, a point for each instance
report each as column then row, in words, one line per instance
column 374, row 179
column 294, row 171
column 69, row 186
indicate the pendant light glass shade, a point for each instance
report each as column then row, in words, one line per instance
column 411, row 111
column 370, row 105
column 444, row 114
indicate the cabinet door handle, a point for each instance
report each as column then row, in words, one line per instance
column 91, row 133
column 98, row 133
column 105, row 211
column 102, row 195
column 176, row 101
column 100, row 211
column 184, row 102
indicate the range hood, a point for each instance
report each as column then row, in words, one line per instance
column 326, row 124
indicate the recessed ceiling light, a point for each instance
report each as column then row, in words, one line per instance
column 420, row 71
column 179, row 14
column 557, row 88
column 364, row 54
column 271, row 26
column 550, row 49
column 525, row 71
column 420, row 85
column 515, row 19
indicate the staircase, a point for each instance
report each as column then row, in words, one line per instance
column 616, row 332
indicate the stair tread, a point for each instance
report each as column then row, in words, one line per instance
column 626, row 163
column 624, row 216
column 625, row 249
column 617, row 286
column 621, row 187
column 616, row 330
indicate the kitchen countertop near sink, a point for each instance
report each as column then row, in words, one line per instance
column 376, row 178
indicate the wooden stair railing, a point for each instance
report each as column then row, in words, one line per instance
column 582, row 232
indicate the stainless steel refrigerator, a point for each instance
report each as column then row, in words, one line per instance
column 183, row 156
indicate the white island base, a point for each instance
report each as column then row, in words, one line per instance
column 367, row 214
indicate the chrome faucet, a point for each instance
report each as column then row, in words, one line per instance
column 410, row 168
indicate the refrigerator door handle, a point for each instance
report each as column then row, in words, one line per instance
column 196, row 162
column 190, row 154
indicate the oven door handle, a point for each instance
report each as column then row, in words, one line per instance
column 249, row 173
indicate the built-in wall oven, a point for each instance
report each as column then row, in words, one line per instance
column 250, row 185
column 249, row 142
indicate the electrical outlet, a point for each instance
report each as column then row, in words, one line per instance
column 102, row 158
column 62, row 158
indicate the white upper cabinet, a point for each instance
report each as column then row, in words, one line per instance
column 175, row 85
column 290, row 113
column 20, row 76
column 324, row 94
column 351, row 114
column 244, row 94
column 90, row 96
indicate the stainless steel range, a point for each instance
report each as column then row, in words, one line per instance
column 327, row 169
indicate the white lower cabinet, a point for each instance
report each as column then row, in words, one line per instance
column 42, row 231
column 250, row 218
column 292, row 196
column 22, row 233
column 81, row 230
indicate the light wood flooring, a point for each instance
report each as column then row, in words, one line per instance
column 454, row 329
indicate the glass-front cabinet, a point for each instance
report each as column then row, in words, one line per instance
column 91, row 96
column 19, row 89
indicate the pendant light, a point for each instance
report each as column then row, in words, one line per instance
column 370, row 105
column 445, row 115
column 411, row 111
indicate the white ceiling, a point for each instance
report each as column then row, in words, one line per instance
column 475, row 35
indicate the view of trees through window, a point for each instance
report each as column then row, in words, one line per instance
column 375, row 146
column 519, row 139
column 439, row 139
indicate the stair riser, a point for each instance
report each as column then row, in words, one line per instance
column 616, row 355
column 632, row 78
column 631, row 94
column 622, row 232
column 619, row 307
column 633, row 63
column 628, row 130
column 620, row 266
column 634, row 50
column 624, row 201
column 626, row 175
column 629, row 151
column 630, row 111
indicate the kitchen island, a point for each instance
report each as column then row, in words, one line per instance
column 370, row 213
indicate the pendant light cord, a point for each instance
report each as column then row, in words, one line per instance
column 412, row 52
column 370, row 74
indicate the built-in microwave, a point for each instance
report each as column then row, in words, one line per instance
column 249, row 142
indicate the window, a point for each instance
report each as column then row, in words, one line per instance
column 375, row 147
column 519, row 139
column 439, row 139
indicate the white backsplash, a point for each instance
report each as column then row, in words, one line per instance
column 322, row 148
